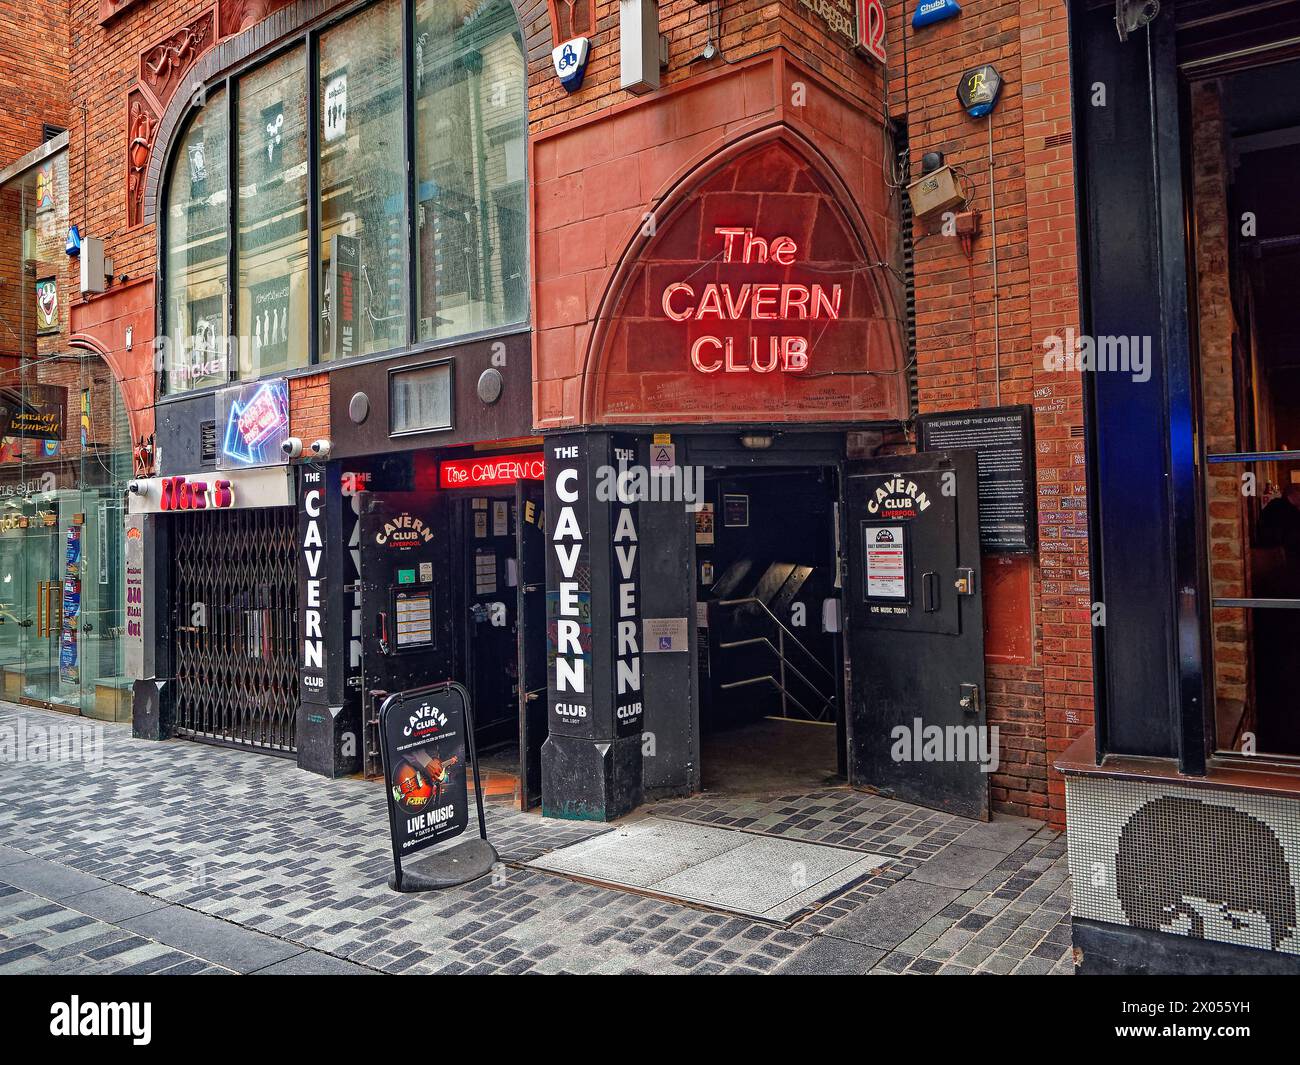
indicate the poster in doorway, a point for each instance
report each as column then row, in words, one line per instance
column 735, row 512
column 704, row 525
column 68, row 667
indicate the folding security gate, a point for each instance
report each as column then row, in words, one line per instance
column 234, row 582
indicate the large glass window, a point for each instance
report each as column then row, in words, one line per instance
column 271, row 215
column 196, row 256
column 362, row 184
column 324, row 280
column 470, row 136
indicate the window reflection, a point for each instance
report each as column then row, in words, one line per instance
column 195, row 307
column 272, row 217
column 362, row 185
column 470, row 127
column 469, row 258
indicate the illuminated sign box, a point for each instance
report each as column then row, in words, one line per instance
column 487, row 471
column 253, row 421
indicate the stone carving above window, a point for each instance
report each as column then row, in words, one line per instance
column 141, row 126
column 164, row 64
column 239, row 15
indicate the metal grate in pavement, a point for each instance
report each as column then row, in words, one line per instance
column 725, row 869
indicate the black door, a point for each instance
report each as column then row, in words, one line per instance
column 406, row 600
column 915, row 634
column 530, row 631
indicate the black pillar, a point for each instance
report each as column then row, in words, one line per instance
column 591, row 760
column 329, row 715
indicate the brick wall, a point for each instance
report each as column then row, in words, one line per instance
column 1039, row 692
column 33, row 73
column 1216, row 330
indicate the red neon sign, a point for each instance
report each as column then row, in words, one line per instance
column 491, row 470
column 177, row 493
column 774, row 302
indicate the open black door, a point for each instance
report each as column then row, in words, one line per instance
column 406, row 601
column 530, row 631
column 917, row 729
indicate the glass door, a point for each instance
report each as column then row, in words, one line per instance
column 41, row 594
column 13, row 606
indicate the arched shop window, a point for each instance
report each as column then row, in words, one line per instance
column 295, row 232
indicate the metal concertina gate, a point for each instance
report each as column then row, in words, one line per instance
column 234, row 581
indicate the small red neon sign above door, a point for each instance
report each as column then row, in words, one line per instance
column 491, row 470
column 753, row 302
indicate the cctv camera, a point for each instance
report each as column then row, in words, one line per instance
column 291, row 448
column 321, row 448
column 135, row 488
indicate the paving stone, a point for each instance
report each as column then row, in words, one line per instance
column 314, row 963
column 113, row 904
column 957, row 866
column 212, row 939
column 318, row 890
column 889, row 918
column 48, row 879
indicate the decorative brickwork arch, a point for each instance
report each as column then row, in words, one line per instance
column 805, row 327
column 139, row 419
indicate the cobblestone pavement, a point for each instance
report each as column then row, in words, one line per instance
column 179, row 857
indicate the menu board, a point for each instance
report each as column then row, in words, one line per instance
column 413, row 618
column 1004, row 440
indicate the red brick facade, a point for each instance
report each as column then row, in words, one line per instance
column 603, row 162
column 33, row 73
column 1040, row 681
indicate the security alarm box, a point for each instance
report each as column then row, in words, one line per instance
column 92, row 265
column 935, row 191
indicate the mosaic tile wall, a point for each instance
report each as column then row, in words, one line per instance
column 1212, row 864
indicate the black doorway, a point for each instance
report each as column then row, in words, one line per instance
column 765, row 575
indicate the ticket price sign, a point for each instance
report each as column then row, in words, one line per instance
column 427, row 743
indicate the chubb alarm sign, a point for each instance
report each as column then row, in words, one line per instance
column 752, row 302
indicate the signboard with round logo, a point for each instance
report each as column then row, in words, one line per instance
column 427, row 743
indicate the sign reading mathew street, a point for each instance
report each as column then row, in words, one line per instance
column 36, row 412
column 1003, row 437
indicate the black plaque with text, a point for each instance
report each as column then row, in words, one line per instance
column 1003, row 437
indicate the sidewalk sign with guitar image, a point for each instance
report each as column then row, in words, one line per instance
column 427, row 740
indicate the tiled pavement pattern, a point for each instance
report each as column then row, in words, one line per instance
column 246, row 864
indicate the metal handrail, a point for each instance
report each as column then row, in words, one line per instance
column 785, row 664
column 828, row 700
column 781, row 625
column 769, row 679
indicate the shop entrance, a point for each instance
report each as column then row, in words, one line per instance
column 235, row 626
column 771, row 707
column 453, row 586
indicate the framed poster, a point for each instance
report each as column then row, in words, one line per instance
column 704, row 518
column 270, row 307
column 884, row 555
column 47, row 306
column 735, row 512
